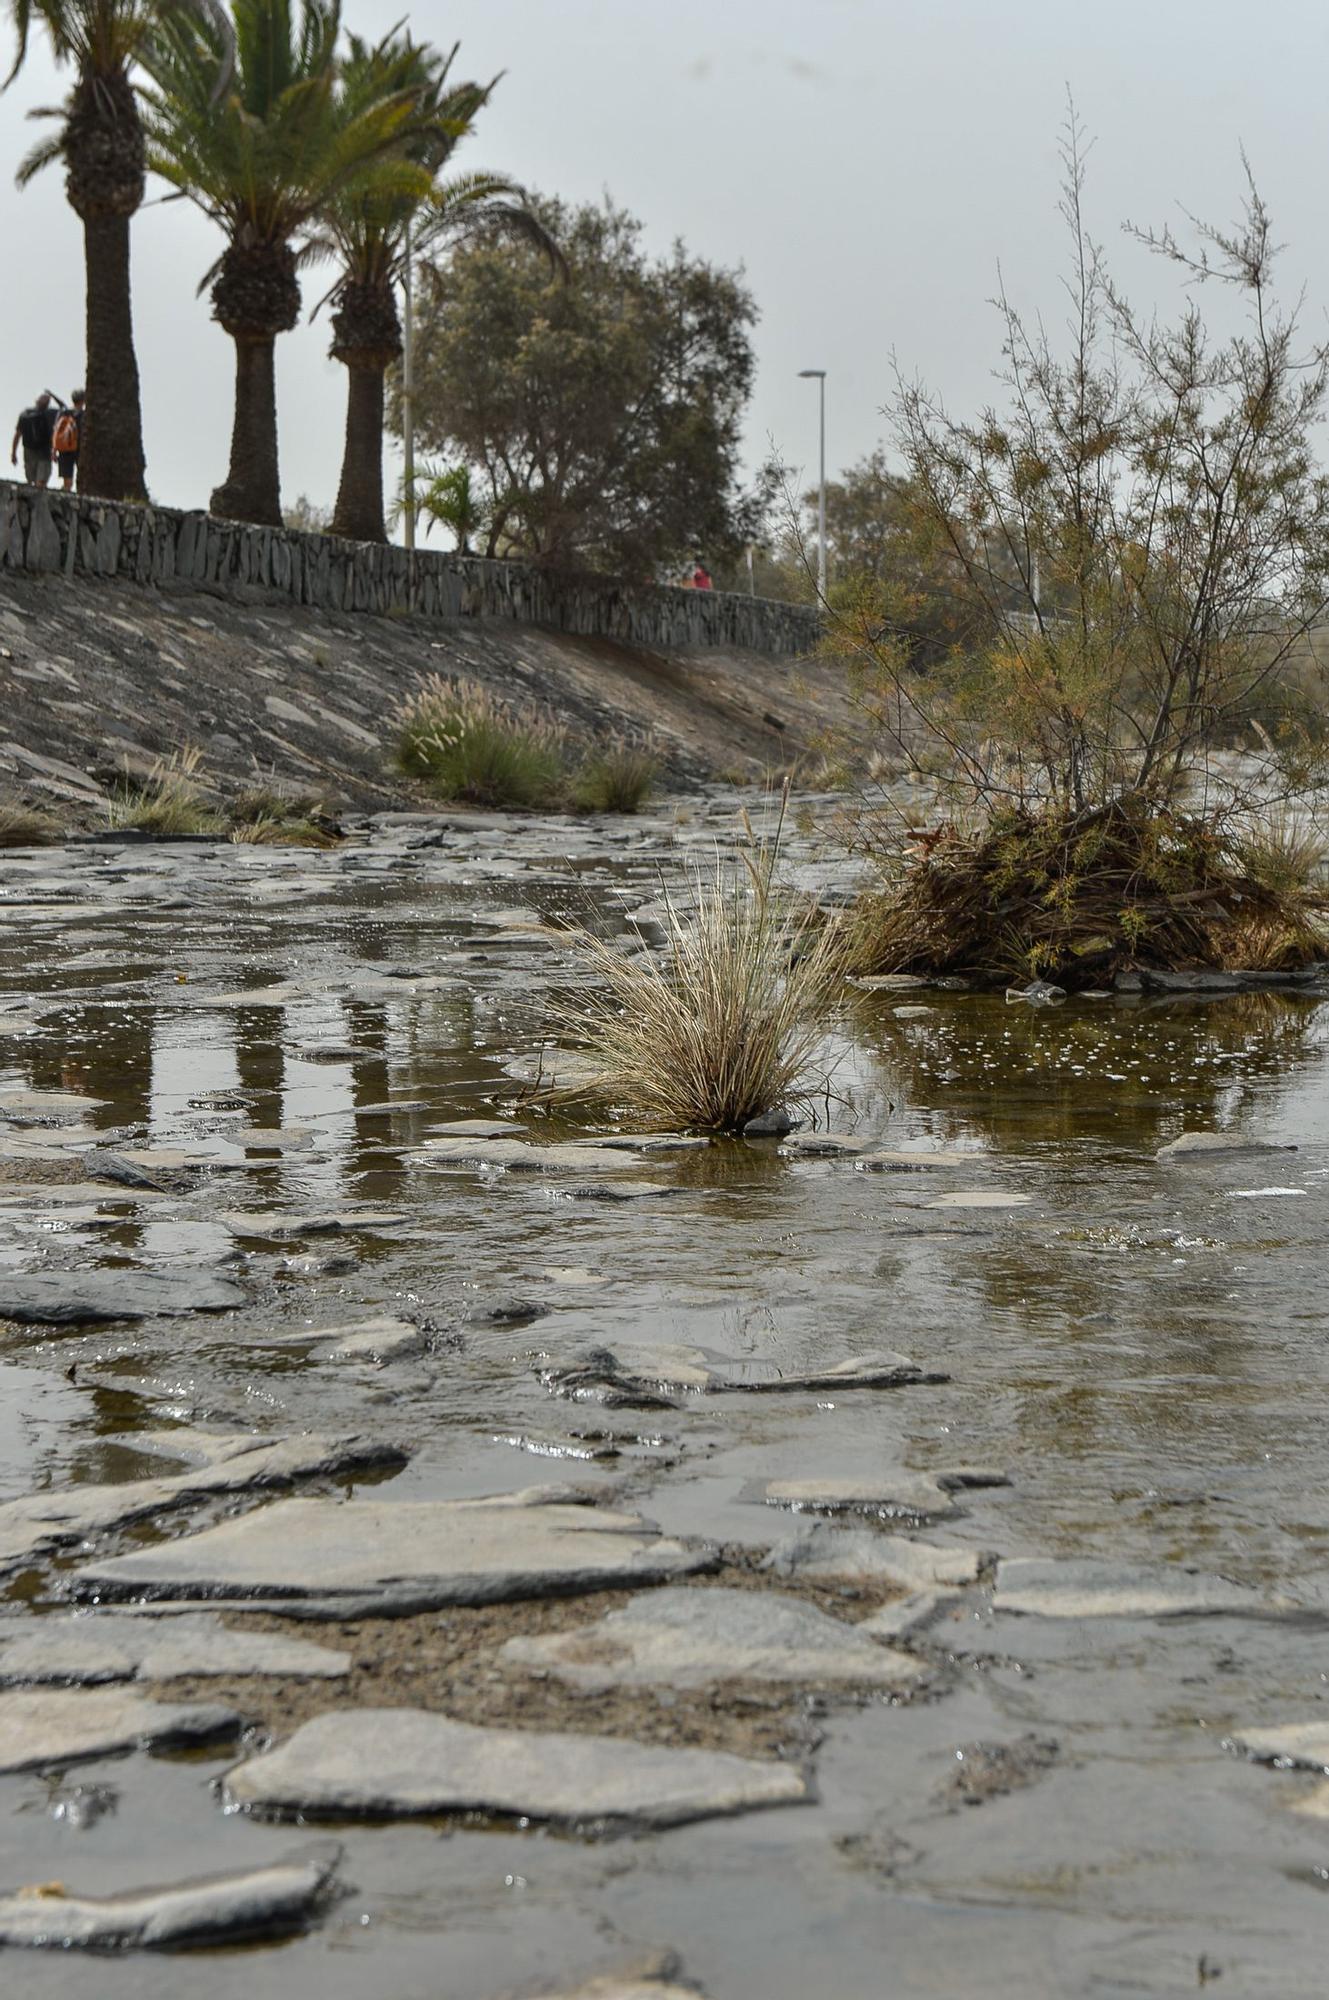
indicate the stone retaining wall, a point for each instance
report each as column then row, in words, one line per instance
column 59, row 532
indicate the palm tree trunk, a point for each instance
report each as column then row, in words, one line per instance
column 111, row 448
column 252, row 490
column 359, row 512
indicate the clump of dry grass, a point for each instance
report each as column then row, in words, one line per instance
column 281, row 830
column 25, row 826
column 466, row 744
column 168, row 802
column 614, row 777
column 726, row 1023
column 1047, row 892
column 1281, row 851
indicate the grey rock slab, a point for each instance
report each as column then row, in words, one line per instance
column 271, row 1901
column 692, row 1638
column 47, row 1103
column 821, row 1549
column 629, row 1374
column 910, row 1161
column 40, row 1523
column 92, row 1649
column 654, row 1983
column 374, row 1340
column 398, row 1761
column 519, row 1156
column 280, row 1226
column 78, row 1298
column 422, row 1553
column 980, row 1198
column 1073, row 1587
column 41, row 1726
column 825, row 1146
column 912, row 1495
column 621, row 1191
column 908, row 1616
column 1212, row 1145
column 770, row 1125
column 479, row 1128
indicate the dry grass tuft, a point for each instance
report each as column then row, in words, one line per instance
column 169, row 802
column 25, row 826
column 616, row 777
column 1054, row 894
column 466, row 744
column 728, row 1021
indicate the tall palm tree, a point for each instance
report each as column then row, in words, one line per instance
column 101, row 144
column 261, row 164
column 367, row 227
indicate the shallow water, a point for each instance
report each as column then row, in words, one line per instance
column 1139, row 1343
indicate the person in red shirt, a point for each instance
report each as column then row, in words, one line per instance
column 701, row 577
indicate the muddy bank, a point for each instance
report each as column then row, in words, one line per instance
column 100, row 677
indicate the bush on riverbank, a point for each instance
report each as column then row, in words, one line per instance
column 466, row 744
column 1074, row 896
column 726, row 1021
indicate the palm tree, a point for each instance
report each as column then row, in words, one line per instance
column 449, row 496
column 101, row 144
column 367, row 227
column 261, row 164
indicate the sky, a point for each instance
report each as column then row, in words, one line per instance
column 871, row 164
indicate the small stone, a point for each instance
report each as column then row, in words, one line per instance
column 773, row 1124
column 271, row 1901
column 908, row 1495
column 395, row 1762
column 1038, row 993
column 822, row 1550
column 986, row 1771
column 1302, row 1745
column 1075, row 1587
column 511, row 1312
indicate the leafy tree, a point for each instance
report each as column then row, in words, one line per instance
column 262, row 163
column 365, row 225
column 601, row 415
column 449, row 495
column 101, row 144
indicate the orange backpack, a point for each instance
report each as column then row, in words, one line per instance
column 65, row 435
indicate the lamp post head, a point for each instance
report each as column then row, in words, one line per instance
column 818, row 374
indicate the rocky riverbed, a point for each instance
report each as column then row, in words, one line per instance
column 463, row 1548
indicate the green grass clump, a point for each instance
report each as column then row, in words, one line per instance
column 169, row 802
column 466, row 744
column 24, row 826
column 728, row 1020
column 279, row 830
column 614, row 778
column 1282, row 852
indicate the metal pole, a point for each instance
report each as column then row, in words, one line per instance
column 407, row 406
column 821, row 500
column 752, row 589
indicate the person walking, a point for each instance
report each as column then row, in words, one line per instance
column 34, row 430
column 701, row 577
column 67, row 437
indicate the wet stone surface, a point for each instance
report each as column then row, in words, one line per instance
column 779, row 1373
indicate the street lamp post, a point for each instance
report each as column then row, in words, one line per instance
column 818, row 375
column 407, row 394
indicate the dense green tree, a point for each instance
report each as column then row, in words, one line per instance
column 601, row 415
column 100, row 142
column 262, row 163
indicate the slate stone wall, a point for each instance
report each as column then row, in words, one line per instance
column 59, row 532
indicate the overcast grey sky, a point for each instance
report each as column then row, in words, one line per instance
column 868, row 162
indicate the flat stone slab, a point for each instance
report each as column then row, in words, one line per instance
column 636, row 1375
column 1302, row 1745
column 691, row 1638
column 91, row 1650
column 627, row 1986
column 519, row 1156
column 1213, row 1145
column 78, row 1298
column 981, row 1198
column 262, row 1902
column 820, row 1550
column 890, row 1492
column 390, row 1762
column 374, row 1340
column 71, row 1725
column 1083, row 1588
column 40, row 1523
column 280, row 1226
column 357, row 1556
column 904, row 1161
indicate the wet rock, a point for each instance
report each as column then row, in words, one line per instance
column 908, row 1616
column 78, row 1298
column 361, row 1557
column 691, row 1638
column 986, row 1771
column 92, row 1650
column 519, row 1156
column 40, row 1523
column 910, row 1161
column 654, row 1142
column 373, row 1340
column 479, row 1128
column 280, row 1226
column 378, row 1763
column 891, row 982
column 57, row 1104
column 913, row 1013
column 980, row 1198
column 906, row 1495
column 511, row 1311
column 621, row 1191
column 775, row 1124
column 644, row 1376
column 81, row 1806
column 653, row 1980
column 822, row 1550
column 1083, row 1588
column 826, row 1146
column 215, row 1909
column 1213, row 1145
column 69, row 1726
column 1038, row 993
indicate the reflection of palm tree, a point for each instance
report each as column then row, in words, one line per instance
column 1023, row 1077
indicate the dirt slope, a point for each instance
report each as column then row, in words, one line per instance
column 99, row 677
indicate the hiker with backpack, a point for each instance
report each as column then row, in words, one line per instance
column 66, row 438
column 35, row 430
